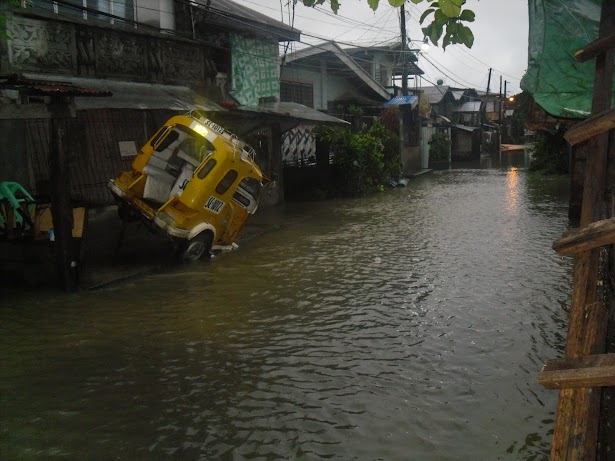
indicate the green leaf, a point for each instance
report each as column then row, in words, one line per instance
column 425, row 14
column 373, row 4
column 335, row 5
column 450, row 8
column 436, row 31
column 427, row 32
column 465, row 36
column 416, row 1
column 447, row 40
column 467, row 15
column 396, row 3
column 440, row 17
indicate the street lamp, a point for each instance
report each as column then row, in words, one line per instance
column 424, row 44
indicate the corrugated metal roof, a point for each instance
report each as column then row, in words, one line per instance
column 131, row 95
column 435, row 93
column 403, row 101
column 292, row 110
column 471, row 106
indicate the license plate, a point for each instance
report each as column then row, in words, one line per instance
column 214, row 204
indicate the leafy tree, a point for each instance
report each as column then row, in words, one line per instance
column 550, row 155
column 447, row 21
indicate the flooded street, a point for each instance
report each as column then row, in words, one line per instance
column 408, row 325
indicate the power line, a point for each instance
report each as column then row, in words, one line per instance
column 224, row 14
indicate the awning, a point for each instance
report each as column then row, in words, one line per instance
column 130, row 95
column 411, row 101
column 293, row 110
column 29, row 87
column 285, row 115
column 466, row 128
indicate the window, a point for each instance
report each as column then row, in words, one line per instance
column 303, row 93
column 170, row 139
column 226, row 182
column 248, row 193
column 110, row 11
column 161, row 133
column 203, row 172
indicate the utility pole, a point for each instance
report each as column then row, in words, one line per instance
column 501, row 102
column 486, row 98
column 500, row 119
column 404, row 72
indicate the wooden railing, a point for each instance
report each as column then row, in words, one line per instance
column 585, row 369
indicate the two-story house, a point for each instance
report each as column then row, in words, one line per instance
column 151, row 58
column 337, row 80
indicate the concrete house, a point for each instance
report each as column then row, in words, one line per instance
column 334, row 79
column 120, row 69
column 326, row 77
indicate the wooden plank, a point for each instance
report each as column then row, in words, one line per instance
column 590, row 371
column 594, row 235
column 575, row 436
column 595, row 48
column 592, row 126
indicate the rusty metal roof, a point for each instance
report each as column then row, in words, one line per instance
column 33, row 87
column 131, row 95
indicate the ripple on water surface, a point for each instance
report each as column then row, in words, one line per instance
column 407, row 325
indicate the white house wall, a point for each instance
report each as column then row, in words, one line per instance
column 336, row 87
column 295, row 74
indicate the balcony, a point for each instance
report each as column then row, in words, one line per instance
column 46, row 42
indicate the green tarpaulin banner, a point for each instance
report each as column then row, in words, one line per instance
column 562, row 86
column 254, row 69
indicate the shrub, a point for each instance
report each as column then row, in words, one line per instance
column 439, row 147
column 360, row 159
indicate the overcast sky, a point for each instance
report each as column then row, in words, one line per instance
column 500, row 37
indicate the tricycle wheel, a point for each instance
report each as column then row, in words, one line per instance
column 194, row 249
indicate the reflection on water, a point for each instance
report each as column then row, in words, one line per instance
column 512, row 190
column 406, row 325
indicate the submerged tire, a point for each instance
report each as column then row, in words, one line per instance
column 194, row 249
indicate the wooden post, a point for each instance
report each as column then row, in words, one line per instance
column 578, row 412
column 62, row 211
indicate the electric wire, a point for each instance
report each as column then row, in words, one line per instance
column 225, row 14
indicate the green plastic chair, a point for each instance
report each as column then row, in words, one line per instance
column 23, row 204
